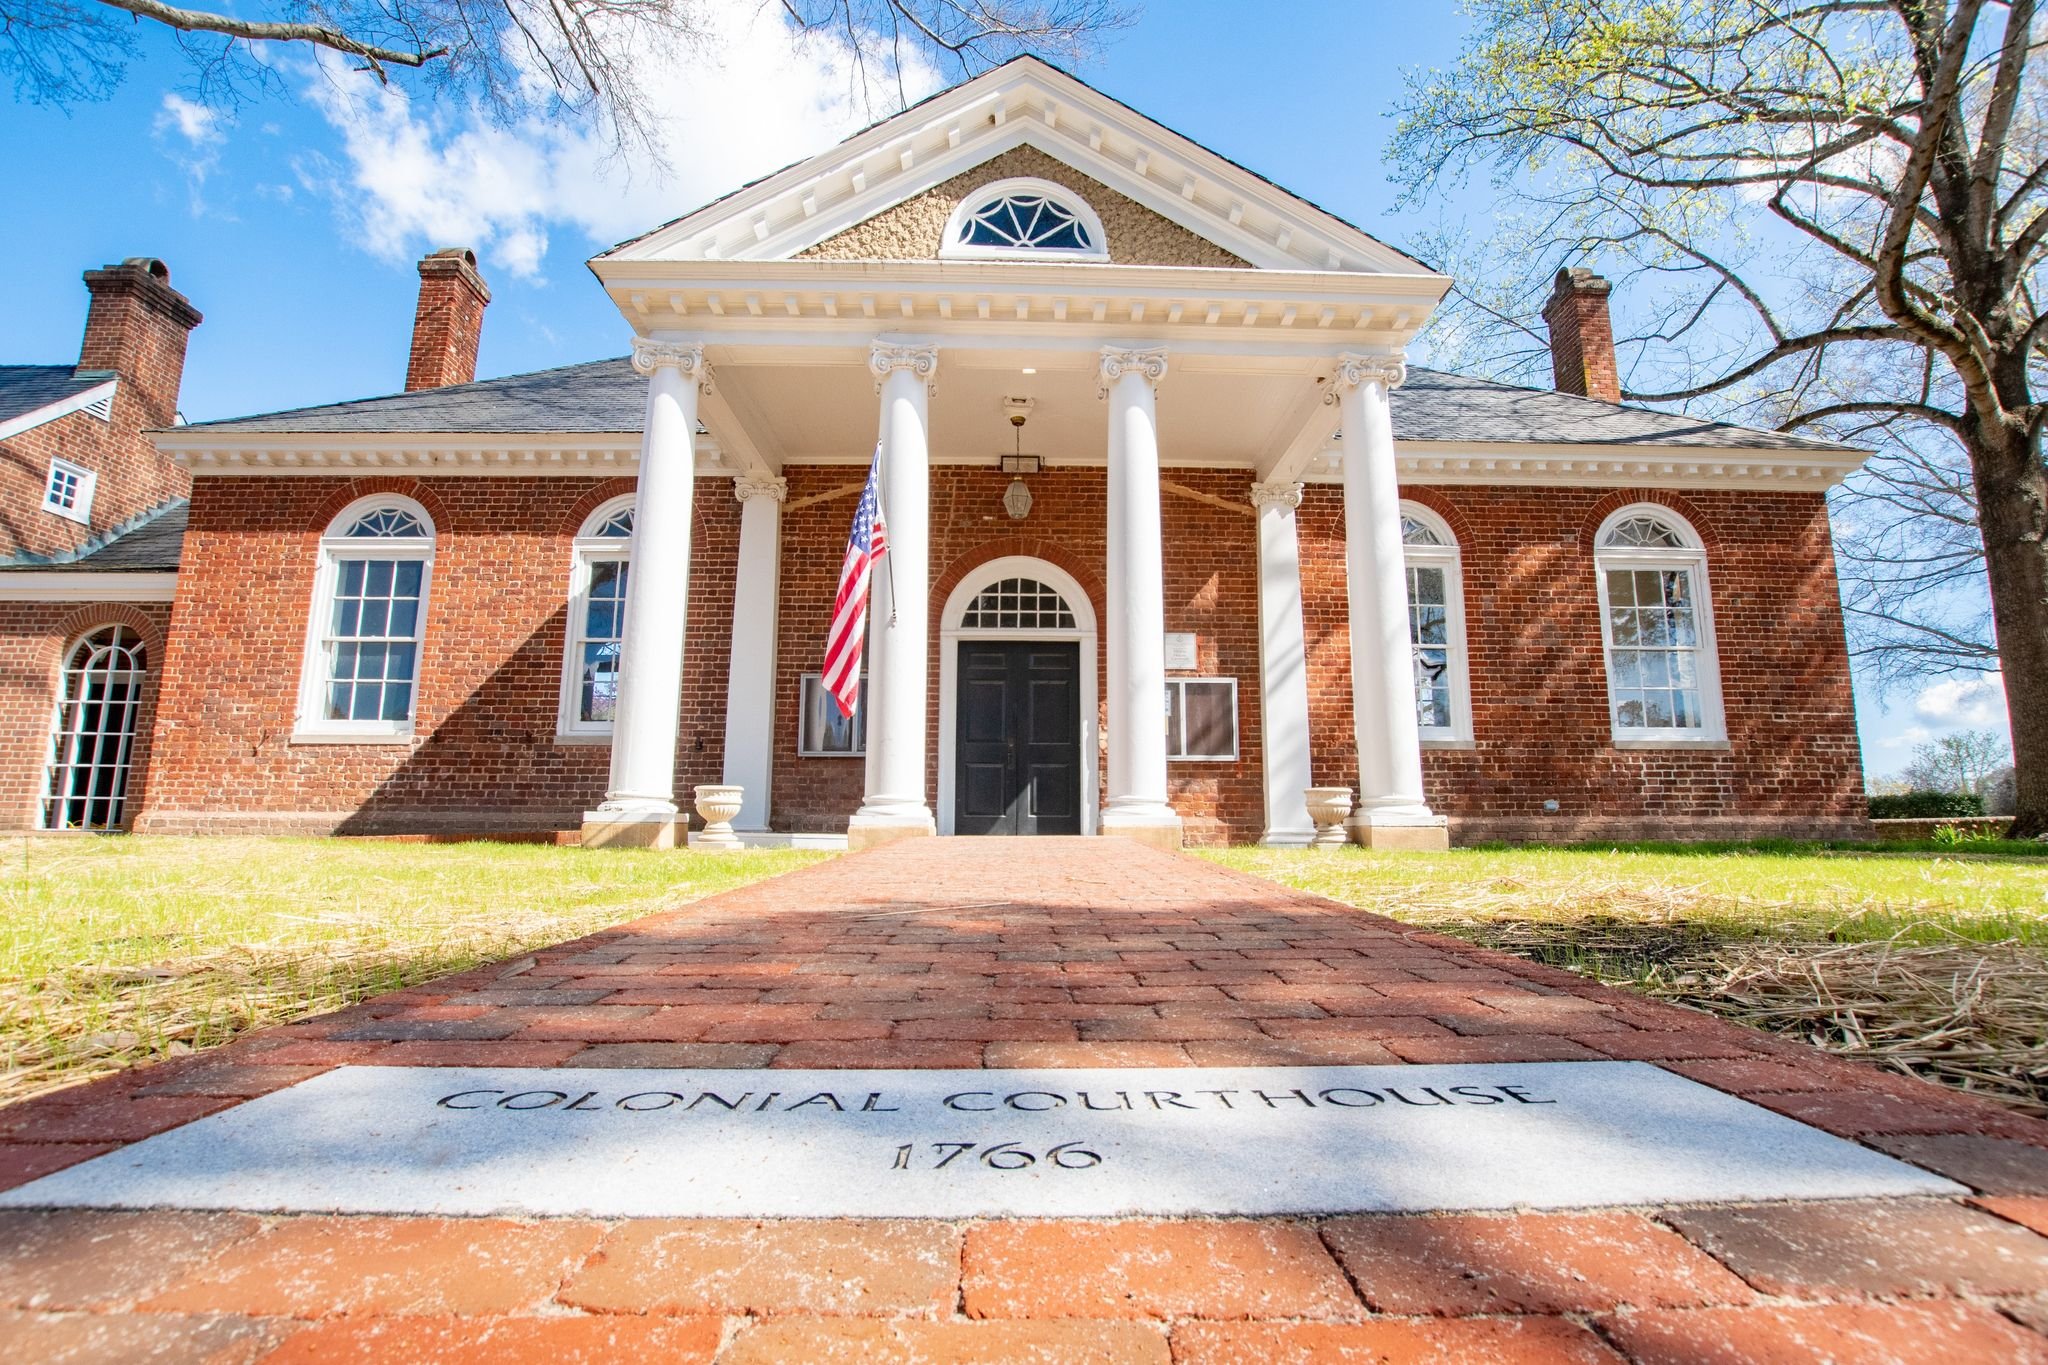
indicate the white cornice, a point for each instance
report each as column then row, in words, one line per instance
column 32, row 585
column 799, row 302
column 425, row 454
column 1431, row 462
column 1023, row 102
column 50, row 412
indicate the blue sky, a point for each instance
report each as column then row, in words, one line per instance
column 293, row 219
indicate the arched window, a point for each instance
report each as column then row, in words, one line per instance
column 597, row 620
column 1436, row 625
column 361, row 676
column 1025, row 219
column 93, row 737
column 1663, row 681
column 1018, row 604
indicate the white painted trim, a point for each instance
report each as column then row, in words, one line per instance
column 88, row 483
column 585, row 552
column 29, row 585
column 331, row 455
column 951, row 248
column 1024, row 101
column 951, row 633
column 308, row 727
column 50, row 412
column 1714, row 732
column 1236, row 721
column 1449, row 556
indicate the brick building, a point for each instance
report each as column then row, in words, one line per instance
column 1176, row 534
column 91, row 515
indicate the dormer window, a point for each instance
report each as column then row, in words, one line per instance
column 1025, row 220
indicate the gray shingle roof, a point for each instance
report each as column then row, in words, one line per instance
column 597, row 396
column 150, row 544
column 24, row 388
column 607, row 396
column 1434, row 406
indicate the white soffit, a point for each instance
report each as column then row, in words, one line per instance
column 1023, row 102
column 464, row 455
column 31, row 585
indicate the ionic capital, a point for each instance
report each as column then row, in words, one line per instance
column 1149, row 362
column 1353, row 370
column 747, row 487
column 650, row 355
column 885, row 359
column 1286, row 495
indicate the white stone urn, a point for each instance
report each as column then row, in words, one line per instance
column 1328, row 806
column 716, row 805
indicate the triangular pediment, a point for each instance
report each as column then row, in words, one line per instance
column 1177, row 202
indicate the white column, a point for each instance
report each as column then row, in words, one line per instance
column 1283, row 667
column 1391, row 810
column 750, row 676
column 894, row 806
column 640, row 807
column 1136, row 589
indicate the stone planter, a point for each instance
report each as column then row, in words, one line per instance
column 716, row 806
column 1328, row 806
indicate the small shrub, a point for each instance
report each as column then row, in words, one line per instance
column 1953, row 836
column 1926, row 805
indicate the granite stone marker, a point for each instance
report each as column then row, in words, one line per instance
column 954, row 1144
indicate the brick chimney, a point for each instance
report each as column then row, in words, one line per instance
column 449, row 321
column 1582, row 336
column 137, row 327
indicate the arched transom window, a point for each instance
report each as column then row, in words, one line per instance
column 361, row 674
column 1023, row 219
column 1018, row 604
column 1663, row 682
column 94, row 734
column 1436, row 625
column 597, row 620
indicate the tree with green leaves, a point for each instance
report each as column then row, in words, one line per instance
column 1832, row 215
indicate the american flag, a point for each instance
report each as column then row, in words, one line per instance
column 848, row 636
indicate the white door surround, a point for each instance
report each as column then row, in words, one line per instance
column 951, row 633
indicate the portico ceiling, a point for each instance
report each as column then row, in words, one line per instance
column 799, row 406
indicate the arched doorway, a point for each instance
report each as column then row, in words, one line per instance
column 1017, row 702
column 92, row 740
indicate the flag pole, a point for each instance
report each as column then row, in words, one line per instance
column 889, row 554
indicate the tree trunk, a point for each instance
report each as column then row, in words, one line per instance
column 2012, row 510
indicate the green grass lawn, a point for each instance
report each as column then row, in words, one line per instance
column 120, row 951
column 1932, row 960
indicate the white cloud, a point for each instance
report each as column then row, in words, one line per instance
column 745, row 104
column 1964, row 703
column 203, row 135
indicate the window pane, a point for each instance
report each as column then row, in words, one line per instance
column 1621, row 588
column 824, row 730
column 1209, row 719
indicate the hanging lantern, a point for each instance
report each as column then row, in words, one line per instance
column 1017, row 500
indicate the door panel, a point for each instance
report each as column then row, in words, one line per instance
column 1018, row 764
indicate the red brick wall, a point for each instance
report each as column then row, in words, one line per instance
column 1211, row 573
column 137, row 327
column 484, row 754
column 1539, row 695
column 34, row 637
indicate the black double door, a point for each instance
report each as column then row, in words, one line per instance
column 1017, row 765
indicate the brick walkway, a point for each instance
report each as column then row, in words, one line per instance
column 961, row 953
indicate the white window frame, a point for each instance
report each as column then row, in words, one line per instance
column 1175, row 750
column 811, row 686
column 588, row 551
column 1712, row 732
column 80, row 509
column 952, row 248
column 1449, row 557
column 312, row 726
